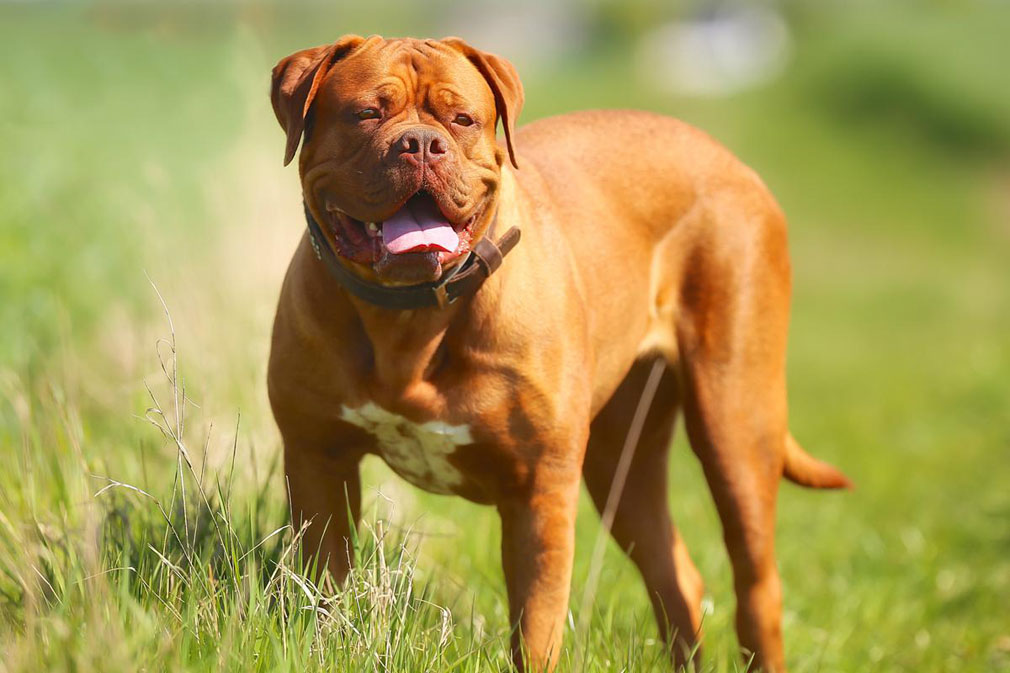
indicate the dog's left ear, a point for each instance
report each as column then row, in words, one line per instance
column 504, row 81
column 296, row 80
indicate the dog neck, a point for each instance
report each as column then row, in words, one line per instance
column 407, row 346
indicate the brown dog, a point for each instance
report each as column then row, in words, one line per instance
column 643, row 241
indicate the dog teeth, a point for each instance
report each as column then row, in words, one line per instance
column 373, row 228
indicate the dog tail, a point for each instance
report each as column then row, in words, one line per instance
column 803, row 469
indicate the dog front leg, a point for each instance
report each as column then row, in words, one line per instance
column 538, row 545
column 325, row 493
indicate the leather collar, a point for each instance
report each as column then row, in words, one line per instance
column 461, row 281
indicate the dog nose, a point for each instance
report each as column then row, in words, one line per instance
column 421, row 145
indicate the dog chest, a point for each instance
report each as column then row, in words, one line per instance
column 418, row 452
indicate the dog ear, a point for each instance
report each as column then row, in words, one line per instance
column 296, row 80
column 504, row 81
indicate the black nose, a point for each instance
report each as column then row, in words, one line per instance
column 421, row 144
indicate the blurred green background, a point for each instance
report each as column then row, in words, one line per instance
column 139, row 149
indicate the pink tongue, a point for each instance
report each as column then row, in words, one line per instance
column 419, row 226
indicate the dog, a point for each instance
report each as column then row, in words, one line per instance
column 488, row 318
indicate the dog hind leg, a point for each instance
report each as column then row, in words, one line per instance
column 732, row 335
column 642, row 524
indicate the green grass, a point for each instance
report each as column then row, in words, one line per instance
column 138, row 141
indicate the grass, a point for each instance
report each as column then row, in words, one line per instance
column 138, row 140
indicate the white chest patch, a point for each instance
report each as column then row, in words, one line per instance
column 418, row 452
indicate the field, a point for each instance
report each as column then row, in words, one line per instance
column 145, row 225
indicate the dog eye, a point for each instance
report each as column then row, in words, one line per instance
column 463, row 119
column 368, row 113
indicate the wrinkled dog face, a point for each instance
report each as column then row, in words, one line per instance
column 399, row 165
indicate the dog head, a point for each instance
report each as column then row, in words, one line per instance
column 400, row 163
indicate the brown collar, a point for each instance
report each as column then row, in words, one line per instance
column 462, row 280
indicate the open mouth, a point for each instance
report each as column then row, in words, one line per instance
column 418, row 234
